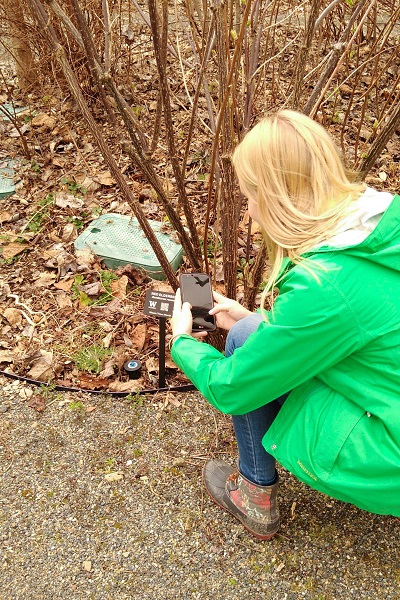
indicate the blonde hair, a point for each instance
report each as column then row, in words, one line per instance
column 290, row 166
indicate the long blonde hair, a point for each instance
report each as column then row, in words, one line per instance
column 290, row 166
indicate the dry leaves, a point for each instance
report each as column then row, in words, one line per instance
column 108, row 370
column 138, row 336
column 6, row 356
column 5, row 217
column 63, row 300
column 107, row 311
column 169, row 363
column 13, row 249
column 92, row 183
column 69, row 233
column 44, row 280
column 135, row 276
column 37, row 402
column 105, row 178
column 92, row 289
column 131, row 386
column 118, row 287
column 65, row 284
column 106, row 341
column 13, row 316
column 43, row 120
column 64, row 200
column 42, row 367
column 151, row 365
column 170, row 399
column 85, row 257
column 90, row 382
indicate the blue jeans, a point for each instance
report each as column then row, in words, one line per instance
column 254, row 462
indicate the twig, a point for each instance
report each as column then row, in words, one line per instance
column 216, row 430
column 9, row 466
column 146, row 20
column 201, row 78
column 303, row 54
column 337, row 59
column 325, row 13
column 107, row 36
column 159, row 43
column 224, row 102
column 381, row 140
column 67, row 22
column 92, row 58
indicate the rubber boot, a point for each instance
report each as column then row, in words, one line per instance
column 254, row 505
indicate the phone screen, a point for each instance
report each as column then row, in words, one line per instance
column 196, row 289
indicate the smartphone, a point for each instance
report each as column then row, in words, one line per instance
column 196, row 289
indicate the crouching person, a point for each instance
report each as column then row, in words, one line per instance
column 313, row 383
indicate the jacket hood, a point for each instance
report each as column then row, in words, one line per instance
column 363, row 217
column 371, row 230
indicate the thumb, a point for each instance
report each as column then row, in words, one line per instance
column 186, row 309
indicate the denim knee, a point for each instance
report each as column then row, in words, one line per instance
column 240, row 331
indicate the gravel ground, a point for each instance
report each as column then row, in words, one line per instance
column 102, row 498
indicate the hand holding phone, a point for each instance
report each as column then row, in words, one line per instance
column 196, row 289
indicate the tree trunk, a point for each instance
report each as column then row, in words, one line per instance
column 19, row 46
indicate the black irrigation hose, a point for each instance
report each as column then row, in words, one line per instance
column 187, row 387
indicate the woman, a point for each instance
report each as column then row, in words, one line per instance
column 315, row 382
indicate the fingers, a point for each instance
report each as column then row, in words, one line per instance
column 220, row 308
column 186, row 310
column 179, row 308
column 222, row 304
column 177, row 302
column 199, row 335
column 181, row 321
column 219, row 297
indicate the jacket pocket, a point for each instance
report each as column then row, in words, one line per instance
column 341, row 417
column 310, row 430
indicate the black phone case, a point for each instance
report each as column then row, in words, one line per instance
column 202, row 321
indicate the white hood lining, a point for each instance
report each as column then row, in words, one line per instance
column 364, row 216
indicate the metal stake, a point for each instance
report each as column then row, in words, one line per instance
column 161, row 353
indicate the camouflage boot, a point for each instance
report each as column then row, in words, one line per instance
column 254, row 505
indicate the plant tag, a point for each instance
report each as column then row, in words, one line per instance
column 159, row 304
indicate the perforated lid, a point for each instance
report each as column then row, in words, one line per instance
column 7, row 186
column 13, row 110
column 120, row 237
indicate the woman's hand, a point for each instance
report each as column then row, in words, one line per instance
column 182, row 320
column 227, row 312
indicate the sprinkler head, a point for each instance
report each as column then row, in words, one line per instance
column 133, row 368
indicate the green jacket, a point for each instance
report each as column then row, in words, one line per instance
column 335, row 343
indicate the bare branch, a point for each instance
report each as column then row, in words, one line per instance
column 224, row 102
column 56, row 8
column 337, row 59
column 107, row 36
column 393, row 122
column 93, row 59
column 165, row 94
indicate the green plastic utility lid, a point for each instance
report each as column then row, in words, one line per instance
column 7, row 186
column 12, row 109
column 119, row 240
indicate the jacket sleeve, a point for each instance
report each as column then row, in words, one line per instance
column 311, row 328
